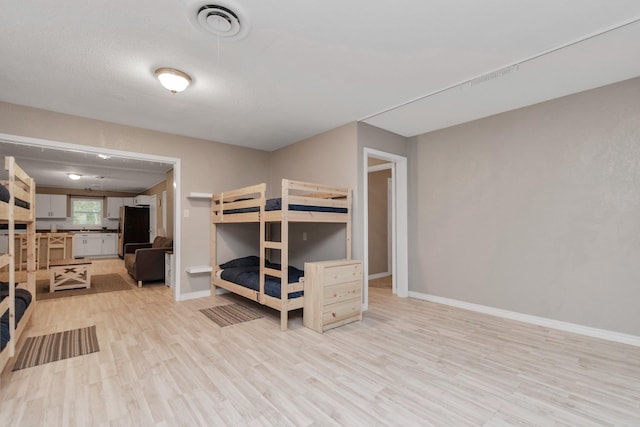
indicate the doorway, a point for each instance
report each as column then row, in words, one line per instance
column 398, row 235
column 56, row 145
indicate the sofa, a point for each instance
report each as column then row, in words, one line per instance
column 145, row 261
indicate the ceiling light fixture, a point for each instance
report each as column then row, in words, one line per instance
column 74, row 176
column 104, row 156
column 172, row 79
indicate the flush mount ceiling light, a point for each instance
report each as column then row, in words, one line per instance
column 172, row 79
column 74, row 176
column 104, row 156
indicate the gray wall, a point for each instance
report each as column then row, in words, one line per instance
column 206, row 167
column 328, row 158
column 536, row 210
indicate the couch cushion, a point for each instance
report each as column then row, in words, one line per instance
column 162, row 242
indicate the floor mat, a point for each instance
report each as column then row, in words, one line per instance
column 230, row 314
column 58, row 346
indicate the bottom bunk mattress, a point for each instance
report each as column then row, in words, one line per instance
column 23, row 299
column 246, row 272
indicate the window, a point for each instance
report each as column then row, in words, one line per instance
column 86, row 211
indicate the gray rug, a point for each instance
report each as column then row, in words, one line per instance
column 230, row 314
column 53, row 347
column 99, row 283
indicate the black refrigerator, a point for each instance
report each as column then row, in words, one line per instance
column 133, row 226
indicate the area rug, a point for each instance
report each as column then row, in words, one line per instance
column 99, row 283
column 230, row 314
column 53, row 347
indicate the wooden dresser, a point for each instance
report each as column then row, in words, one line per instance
column 332, row 293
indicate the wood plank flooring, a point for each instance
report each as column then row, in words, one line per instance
column 408, row 362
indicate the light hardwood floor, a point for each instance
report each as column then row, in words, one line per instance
column 407, row 363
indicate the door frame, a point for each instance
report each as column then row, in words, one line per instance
column 399, row 238
column 39, row 142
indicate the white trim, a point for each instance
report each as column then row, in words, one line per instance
column 380, row 167
column 534, row 320
column 400, row 249
column 195, row 295
column 38, row 142
column 379, row 275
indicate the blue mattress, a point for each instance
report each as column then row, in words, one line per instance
column 5, row 195
column 23, row 299
column 276, row 205
column 248, row 275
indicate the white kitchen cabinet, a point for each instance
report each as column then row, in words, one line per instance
column 87, row 244
column 95, row 244
column 51, row 206
column 115, row 203
column 113, row 207
column 109, row 244
column 142, row 200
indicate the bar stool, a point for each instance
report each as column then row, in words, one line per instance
column 23, row 251
column 56, row 241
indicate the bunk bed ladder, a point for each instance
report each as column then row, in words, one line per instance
column 268, row 245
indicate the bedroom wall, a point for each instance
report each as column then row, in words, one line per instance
column 328, row 158
column 535, row 211
column 206, row 167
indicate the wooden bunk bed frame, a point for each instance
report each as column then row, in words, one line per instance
column 21, row 186
column 254, row 198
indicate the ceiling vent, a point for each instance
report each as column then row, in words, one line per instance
column 221, row 21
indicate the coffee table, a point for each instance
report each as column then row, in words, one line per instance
column 69, row 274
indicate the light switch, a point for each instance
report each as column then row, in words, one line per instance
column 304, row 235
column 186, row 213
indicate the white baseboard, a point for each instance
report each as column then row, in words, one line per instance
column 194, row 295
column 534, row 320
column 379, row 275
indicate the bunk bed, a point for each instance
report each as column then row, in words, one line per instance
column 256, row 278
column 17, row 206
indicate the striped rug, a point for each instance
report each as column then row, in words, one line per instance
column 230, row 314
column 61, row 345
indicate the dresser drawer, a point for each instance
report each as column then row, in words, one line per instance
column 341, row 312
column 342, row 292
column 332, row 293
column 342, row 274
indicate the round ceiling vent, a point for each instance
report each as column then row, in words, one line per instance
column 220, row 21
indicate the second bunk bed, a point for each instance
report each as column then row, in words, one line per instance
column 17, row 206
column 255, row 277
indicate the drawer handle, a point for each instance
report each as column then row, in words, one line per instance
column 333, row 314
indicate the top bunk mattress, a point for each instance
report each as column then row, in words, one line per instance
column 276, row 205
column 5, row 196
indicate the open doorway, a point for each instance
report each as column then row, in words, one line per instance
column 47, row 146
column 390, row 257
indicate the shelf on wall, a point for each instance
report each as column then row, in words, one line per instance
column 197, row 269
column 195, row 195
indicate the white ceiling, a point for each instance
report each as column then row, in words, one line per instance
column 50, row 167
column 304, row 67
